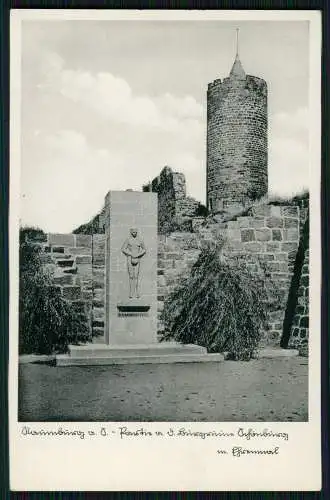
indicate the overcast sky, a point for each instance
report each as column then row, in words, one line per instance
column 107, row 104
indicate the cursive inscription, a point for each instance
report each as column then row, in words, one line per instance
column 229, row 446
column 238, row 451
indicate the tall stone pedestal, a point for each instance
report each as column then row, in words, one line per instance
column 131, row 291
column 131, row 268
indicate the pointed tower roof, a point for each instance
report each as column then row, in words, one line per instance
column 237, row 70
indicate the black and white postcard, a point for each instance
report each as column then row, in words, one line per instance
column 165, row 250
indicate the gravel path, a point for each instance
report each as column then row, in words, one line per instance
column 258, row 390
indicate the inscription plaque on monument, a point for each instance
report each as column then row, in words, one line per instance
column 131, row 268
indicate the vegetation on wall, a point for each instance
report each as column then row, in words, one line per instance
column 221, row 306
column 47, row 322
column 91, row 227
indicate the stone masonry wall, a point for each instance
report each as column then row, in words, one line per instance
column 98, row 277
column 174, row 207
column 236, row 142
column 271, row 235
column 78, row 263
column 70, row 258
column 300, row 325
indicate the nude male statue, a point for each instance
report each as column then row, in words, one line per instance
column 134, row 250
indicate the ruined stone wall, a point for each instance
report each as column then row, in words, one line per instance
column 270, row 234
column 98, row 277
column 174, row 207
column 300, row 325
column 69, row 256
column 236, row 142
column 78, row 265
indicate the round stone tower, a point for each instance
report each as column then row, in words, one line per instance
column 237, row 144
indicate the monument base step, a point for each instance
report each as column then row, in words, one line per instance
column 113, row 350
column 167, row 352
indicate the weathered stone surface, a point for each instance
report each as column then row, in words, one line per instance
column 79, row 250
column 290, row 234
column 277, row 234
column 236, row 142
column 253, row 246
column 83, row 259
column 247, row 235
column 263, row 234
column 274, row 222
column 84, row 240
column 61, row 239
column 122, row 327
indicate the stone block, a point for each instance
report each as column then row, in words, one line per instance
column 233, row 234
column 304, row 280
column 234, row 246
column 174, row 255
column 257, row 222
column 79, row 251
column 275, row 211
column 289, row 222
column 98, row 332
column 253, row 247
column 84, row 240
column 98, row 260
column 263, row 234
column 98, row 313
column 303, row 333
column 244, row 222
column 161, row 280
column 274, row 266
column 97, row 303
column 276, row 234
column 98, row 241
column 304, row 322
column 70, row 270
column 289, row 247
column 97, row 324
column 83, row 259
column 290, row 234
column 57, row 249
column 274, row 222
column 61, row 239
column 281, row 256
column 247, row 235
column 290, row 211
column 233, row 224
column 272, row 246
column 262, row 210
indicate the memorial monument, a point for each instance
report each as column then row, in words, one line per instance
column 131, row 291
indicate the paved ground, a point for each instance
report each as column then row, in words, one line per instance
column 258, row 390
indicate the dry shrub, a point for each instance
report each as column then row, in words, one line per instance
column 47, row 322
column 221, row 305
